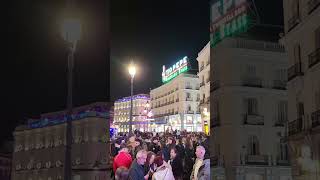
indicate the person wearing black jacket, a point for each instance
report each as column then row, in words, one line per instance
column 176, row 164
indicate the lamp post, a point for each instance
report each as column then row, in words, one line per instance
column 71, row 30
column 132, row 72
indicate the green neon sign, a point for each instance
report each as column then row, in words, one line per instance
column 180, row 67
column 232, row 28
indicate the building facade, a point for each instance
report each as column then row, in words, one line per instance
column 204, row 77
column 140, row 111
column 249, row 110
column 5, row 166
column 302, row 41
column 39, row 150
column 175, row 104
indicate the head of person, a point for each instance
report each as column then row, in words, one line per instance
column 200, row 152
column 141, row 157
column 158, row 161
column 124, row 149
column 150, row 157
column 173, row 153
column 122, row 173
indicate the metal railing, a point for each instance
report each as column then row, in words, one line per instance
column 314, row 58
column 215, row 85
column 295, row 126
column 295, row 70
column 293, row 21
column 315, row 117
column 256, row 159
column 188, row 87
column 252, row 82
column 188, row 99
column 279, row 84
column 312, row 5
column 251, row 119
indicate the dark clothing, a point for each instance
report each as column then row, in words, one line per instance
column 147, row 169
column 166, row 153
column 177, row 167
column 136, row 171
column 154, row 148
column 181, row 150
column 189, row 161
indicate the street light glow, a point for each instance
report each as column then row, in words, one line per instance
column 132, row 70
column 71, row 30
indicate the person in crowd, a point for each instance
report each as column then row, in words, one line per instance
column 163, row 171
column 155, row 146
column 122, row 173
column 166, row 149
column 136, row 171
column 176, row 164
column 201, row 167
column 149, row 167
column 189, row 158
column 123, row 159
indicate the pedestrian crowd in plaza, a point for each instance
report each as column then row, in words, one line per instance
column 160, row 156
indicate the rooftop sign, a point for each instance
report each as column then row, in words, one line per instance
column 176, row 69
column 228, row 18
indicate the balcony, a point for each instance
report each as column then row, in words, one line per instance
column 312, row 5
column 189, row 112
column 315, row 117
column 207, row 80
column 188, row 99
column 201, row 84
column 198, row 99
column 197, row 88
column 208, row 63
column 279, row 84
column 215, row 85
column 283, row 162
column 252, row 82
column 295, row 70
column 295, row 126
column 201, row 68
column 215, row 121
column 293, row 21
column 314, row 58
column 188, row 87
column 257, row 159
column 250, row 119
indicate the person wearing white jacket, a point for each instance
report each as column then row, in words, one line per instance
column 163, row 170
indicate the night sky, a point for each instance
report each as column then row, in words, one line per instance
column 152, row 33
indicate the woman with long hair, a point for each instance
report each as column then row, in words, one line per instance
column 163, row 170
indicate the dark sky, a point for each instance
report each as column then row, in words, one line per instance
column 153, row 33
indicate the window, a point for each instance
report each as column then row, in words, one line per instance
column 251, row 71
column 300, row 109
column 253, row 146
column 189, row 108
column 297, row 53
column 282, row 111
column 188, row 95
column 251, row 105
column 281, row 74
column 283, row 151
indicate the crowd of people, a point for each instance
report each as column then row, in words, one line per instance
column 160, row 156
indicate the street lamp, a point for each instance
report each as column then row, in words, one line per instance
column 71, row 30
column 132, row 72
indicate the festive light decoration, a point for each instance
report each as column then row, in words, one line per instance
column 135, row 97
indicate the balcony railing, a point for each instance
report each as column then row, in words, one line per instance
column 252, row 82
column 295, row 126
column 315, row 117
column 250, row 119
column 197, row 88
column 215, row 121
column 279, row 84
column 312, row 5
column 215, row 85
column 257, row 159
column 283, row 162
column 295, row 70
column 293, row 21
column 314, row 58
column 189, row 112
column 198, row 112
column 202, row 67
column 188, row 87
column 188, row 99
column 201, row 84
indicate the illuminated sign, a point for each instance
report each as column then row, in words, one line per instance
column 172, row 72
column 228, row 18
